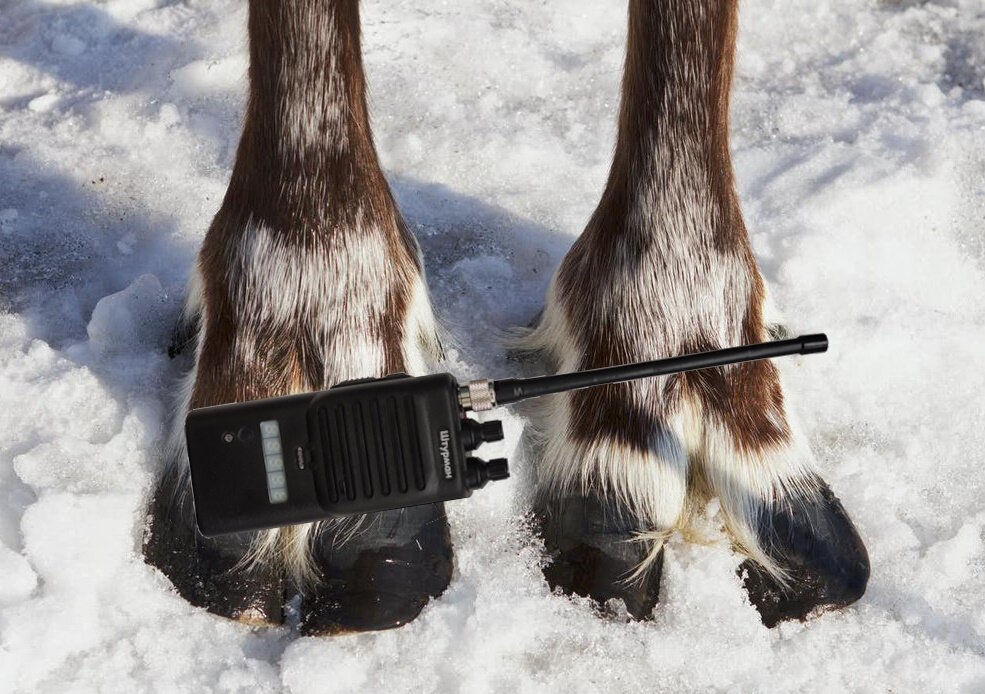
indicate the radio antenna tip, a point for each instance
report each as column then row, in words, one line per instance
column 812, row 344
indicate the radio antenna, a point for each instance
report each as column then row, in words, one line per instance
column 486, row 394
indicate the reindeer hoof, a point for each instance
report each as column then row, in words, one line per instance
column 828, row 563
column 592, row 552
column 206, row 571
column 380, row 575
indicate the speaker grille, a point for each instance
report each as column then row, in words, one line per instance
column 371, row 447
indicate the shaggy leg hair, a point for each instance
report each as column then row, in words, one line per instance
column 665, row 268
column 307, row 276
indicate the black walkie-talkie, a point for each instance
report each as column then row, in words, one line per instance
column 380, row 443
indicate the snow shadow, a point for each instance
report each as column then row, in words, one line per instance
column 71, row 245
column 85, row 47
column 488, row 269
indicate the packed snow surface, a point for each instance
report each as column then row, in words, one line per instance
column 859, row 140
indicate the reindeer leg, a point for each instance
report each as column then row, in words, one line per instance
column 307, row 276
column 663, row 268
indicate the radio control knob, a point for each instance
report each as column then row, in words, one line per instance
column 498, row 469
column 474, row 433
column 491, row 431
column 478, row 471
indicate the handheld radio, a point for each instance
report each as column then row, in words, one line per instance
column 380, row 443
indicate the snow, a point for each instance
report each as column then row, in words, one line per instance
column 859, row 143
column 129, row 317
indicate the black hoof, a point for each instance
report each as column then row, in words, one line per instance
column 205, row 571
column 592, row 552
column 380, row 576
column 817, row 543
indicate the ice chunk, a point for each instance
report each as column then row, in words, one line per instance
column 66, row 44
column 8, row 217
column 43, row 103
column 129, row 317
column 18, row 578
